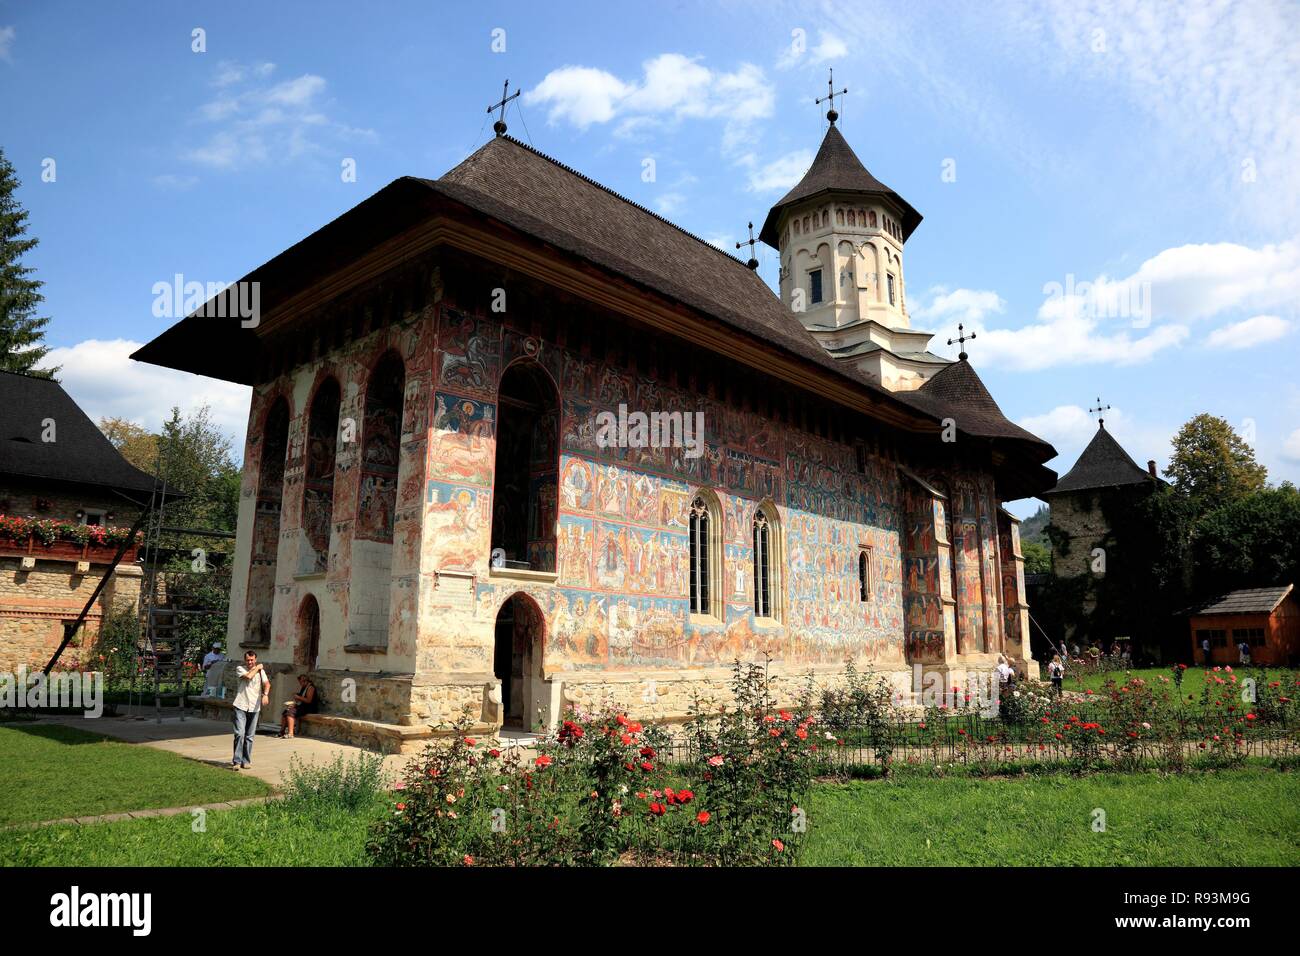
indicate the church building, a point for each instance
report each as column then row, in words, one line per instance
column 434, row 521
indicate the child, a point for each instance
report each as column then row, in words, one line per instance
column 1056, row 671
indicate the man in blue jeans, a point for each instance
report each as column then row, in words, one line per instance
column 254, row 693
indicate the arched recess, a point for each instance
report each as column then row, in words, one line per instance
column 306, row 648
column 318, row 478
column 274, row 431
column 705, row 566
column 372, row 543
column 769, row 560
column 520, row 642
column 526, row 475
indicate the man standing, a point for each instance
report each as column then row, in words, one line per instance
column 1205, row 649
column 254, row 694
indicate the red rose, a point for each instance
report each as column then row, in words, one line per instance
column 703, row 817
column 543, row 761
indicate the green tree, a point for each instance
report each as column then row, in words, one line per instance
column 1038, row 557
column 1212, row 465
column 22, row 332
column 136, row 443
column 1252, row 542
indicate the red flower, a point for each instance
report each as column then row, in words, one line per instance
column 494, row 752
column 647, row 752
column 470, row 741
column 401, row 806
column 703, row 817
column 647, row 766
column 685, row 796
column 780, row 847
column 467, row 860
column 627, row 739
column 543, row 761
column 657, row 809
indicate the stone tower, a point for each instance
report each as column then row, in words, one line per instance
column 840, row 233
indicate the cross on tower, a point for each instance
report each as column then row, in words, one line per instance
column 1101, row 422
column 752, row 263
column 961, row 340
column 499, row 127
column 830, row 95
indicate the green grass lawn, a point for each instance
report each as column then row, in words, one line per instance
column 1231, row 818
column 52, row 772
column 1193, row 678
column 1247, row 817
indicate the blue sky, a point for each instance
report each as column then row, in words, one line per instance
column 1152, row 150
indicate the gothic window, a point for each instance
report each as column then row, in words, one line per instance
column 705, row 557
column 864, row 574
column 815, row 286
column 318, row 480
column 891, row 288
column 525, row 490
column 766, row 563
column 796, row 227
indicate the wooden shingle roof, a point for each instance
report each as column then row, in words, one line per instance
column 1103, row 464
column 836, row 168
column 1247, row 601
column 79, row 454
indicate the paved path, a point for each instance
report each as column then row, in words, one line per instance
column 212, row 742
column 141, row 814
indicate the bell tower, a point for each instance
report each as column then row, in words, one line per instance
column 840, row 233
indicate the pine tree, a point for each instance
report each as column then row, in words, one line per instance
column 22, row 332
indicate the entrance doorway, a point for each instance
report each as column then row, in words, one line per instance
column 517, row 661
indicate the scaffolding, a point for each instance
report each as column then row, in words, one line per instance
column 184, row 596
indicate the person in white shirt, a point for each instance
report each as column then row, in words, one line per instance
column 1243, row 650
column 254, row 694
column 1056, row 671
column 213, row 656
column 1006, row 673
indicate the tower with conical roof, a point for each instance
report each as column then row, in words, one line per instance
column 840, row 233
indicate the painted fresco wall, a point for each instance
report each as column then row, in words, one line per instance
column 618, row 604
column 319, row 560
column 620, row 597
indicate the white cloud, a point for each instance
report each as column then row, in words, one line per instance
column 830, row 46
column 103, row 380
column 670, row 203
column 260, row 121
column 171, row 181
column 1215, row 79
column 7, row 35
column 1291, row 447
column 968, row 306
column 1249, row 332
column 671, row 87
column 781, row 173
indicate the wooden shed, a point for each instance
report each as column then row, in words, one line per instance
column 1266, row 618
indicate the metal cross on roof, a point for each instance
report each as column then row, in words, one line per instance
column 499, row 127
column 962, row 339
column 752, row 263
column 1101, row 422
column 831, row 94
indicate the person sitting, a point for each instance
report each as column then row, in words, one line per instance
column 304, row 702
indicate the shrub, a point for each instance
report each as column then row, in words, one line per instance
column 347, row 784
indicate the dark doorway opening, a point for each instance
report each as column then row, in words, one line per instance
column 517, row 660
column 307, row 651
column 527, row 469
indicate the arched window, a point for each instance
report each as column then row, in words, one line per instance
column 864, row 574
column 705, row 556
column 767, row 567
column 380, row 448
column 526, row 479
column 274, row 437
column 318, row 480
column 839, row 217
column 306, row 652
column 853, row 218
